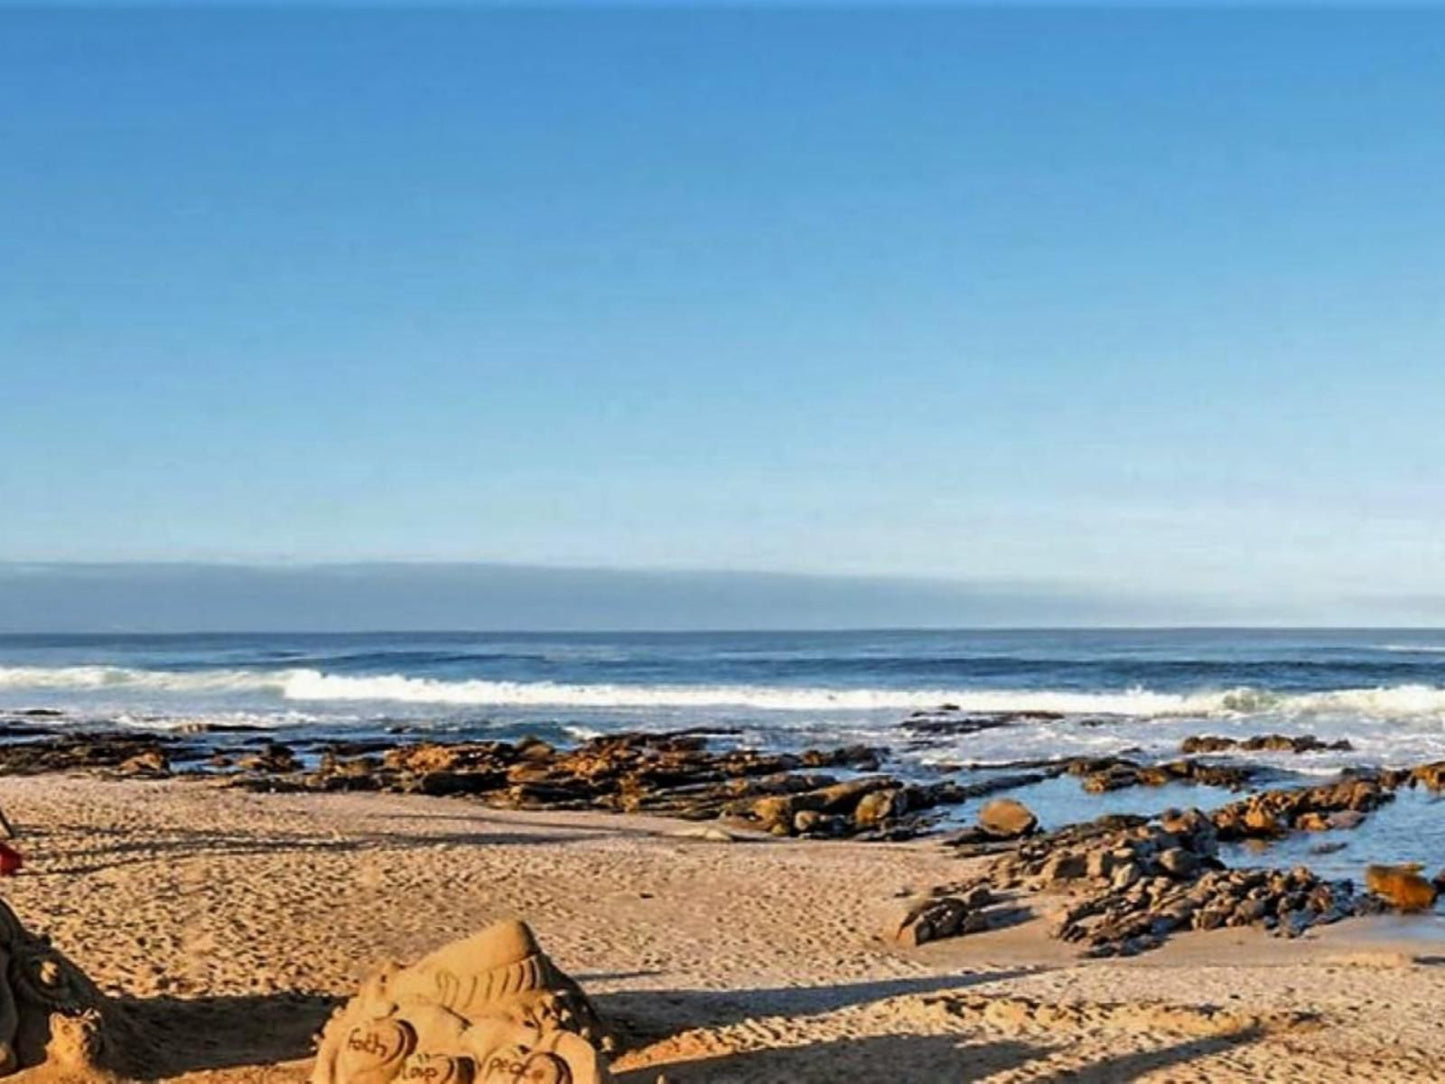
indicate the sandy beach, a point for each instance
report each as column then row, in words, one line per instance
column 231, row 923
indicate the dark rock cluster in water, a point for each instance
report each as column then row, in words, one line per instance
column 36, row 751
column 1102, row 774
column 1128, row 882
column 1263, row 743
column 1273, row 813
column 1125, row 883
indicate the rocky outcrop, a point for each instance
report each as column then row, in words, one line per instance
column 964, row 909
column 1263, row 743
column 490, row 1009
column 1330, row 805
column 1431, row 776
column 106, row 752
column 1130, row 887
column 1127, row 882
column 1131, row 881
column 949, row 721
column 1098, row 776
column 667, row 774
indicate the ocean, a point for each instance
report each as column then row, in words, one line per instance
column 1383, row 690
column 1084, row 692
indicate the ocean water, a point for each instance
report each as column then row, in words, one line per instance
column 1094, row 692
column 1097, row 692
column 1105, row 691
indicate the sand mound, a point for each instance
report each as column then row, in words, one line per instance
column 491, row 1008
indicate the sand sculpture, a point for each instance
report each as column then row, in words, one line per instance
column 49, row 1010
column 490, row 1009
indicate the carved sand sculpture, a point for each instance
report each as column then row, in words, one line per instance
column 49, row 1010
column 489, row 1009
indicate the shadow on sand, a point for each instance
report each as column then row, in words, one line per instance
column 920, row 1059
column 167, row 1036
column 1134, row 1065
column 646, row 1015
column 917, row 1059
column 204, row 842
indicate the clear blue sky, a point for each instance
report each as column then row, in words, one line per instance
column 1105, row 299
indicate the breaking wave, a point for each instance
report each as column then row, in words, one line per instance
column 306, row 685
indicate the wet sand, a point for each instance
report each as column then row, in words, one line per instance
column 234, row 921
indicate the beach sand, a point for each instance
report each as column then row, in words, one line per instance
column 232, row 922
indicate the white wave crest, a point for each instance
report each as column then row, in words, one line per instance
column 101, row 678
column 313, row 686
column 310, row 685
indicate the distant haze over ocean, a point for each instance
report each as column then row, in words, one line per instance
column 185, row 597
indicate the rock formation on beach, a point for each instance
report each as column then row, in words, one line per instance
column 1123, row 884
column 490, row 1009
column 1401, row 886
column 50, row 1012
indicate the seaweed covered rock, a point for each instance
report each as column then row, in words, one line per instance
column 489, row 1009
column 50, row 1012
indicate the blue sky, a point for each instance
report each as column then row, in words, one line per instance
column 1101, row 299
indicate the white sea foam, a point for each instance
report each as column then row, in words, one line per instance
column 100, row 678
column 303, row 685
column 311, row 685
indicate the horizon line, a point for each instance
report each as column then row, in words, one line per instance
column 725, row 631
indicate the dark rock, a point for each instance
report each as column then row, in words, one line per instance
column 1274, row 743
column 946, row 721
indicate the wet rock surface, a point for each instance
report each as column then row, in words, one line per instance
column 119, row 752
column 1126, row 883
column 1269, row 743
column 819, row 793
column 1098, row 776
column 1274, row 813
column 949, row 721
column 840, row 792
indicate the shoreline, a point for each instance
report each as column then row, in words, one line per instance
column 744, row 961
